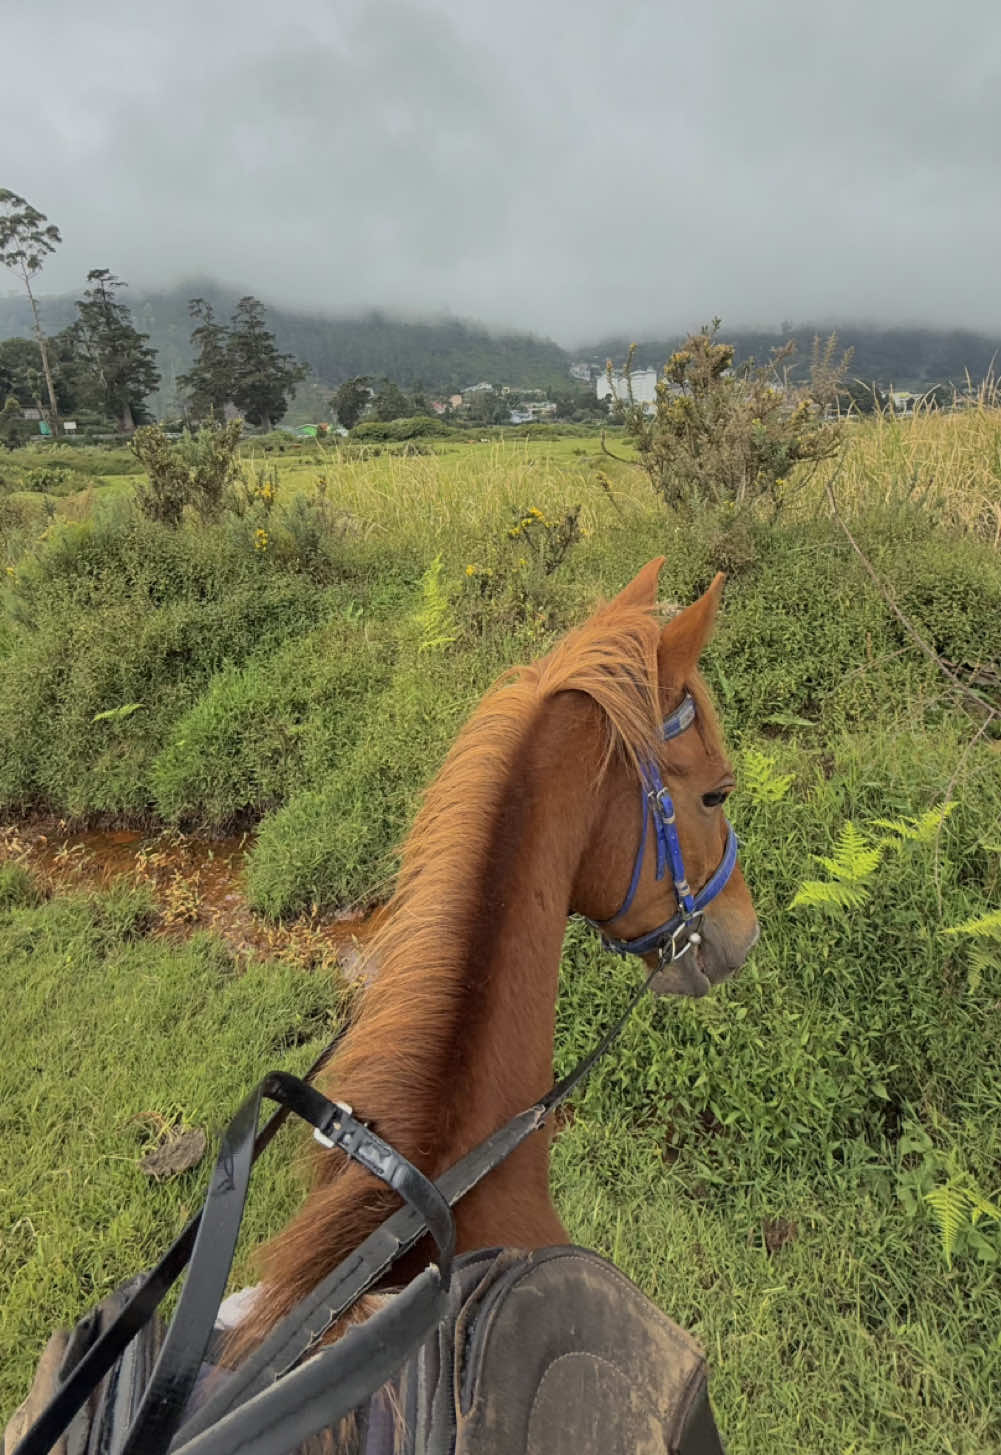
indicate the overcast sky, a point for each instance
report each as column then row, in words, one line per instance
column 573, row 168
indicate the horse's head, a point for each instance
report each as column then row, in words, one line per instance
column 627, row 883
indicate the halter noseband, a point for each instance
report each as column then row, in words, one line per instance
column 677, row 935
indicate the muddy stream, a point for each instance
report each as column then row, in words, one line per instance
column 197, row 883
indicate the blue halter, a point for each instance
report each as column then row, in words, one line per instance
column 680, row 932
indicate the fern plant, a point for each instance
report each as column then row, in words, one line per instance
column 854, row 862
column 938, row 1184
column 759, row 781
column 856, row 859
column 434, row 615
column 958, row 1205
column 920, row 830
column 985, row 952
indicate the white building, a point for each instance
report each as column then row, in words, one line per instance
column 644, row 382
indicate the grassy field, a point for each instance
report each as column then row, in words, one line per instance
column 805, row 1168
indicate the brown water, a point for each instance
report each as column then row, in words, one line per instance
column 197, row 883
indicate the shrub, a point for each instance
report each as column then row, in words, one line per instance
column 421, row 426
column 720, row 435
column 197, row 470
column 259, row 733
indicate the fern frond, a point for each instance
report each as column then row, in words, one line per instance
column 959, row 1204
column 854, row 860
column 950, row 1204
column 982, row 1206
column 434, row 615
column 758, row 779
column 919, row 830
column 983, row 926
column 829, row 894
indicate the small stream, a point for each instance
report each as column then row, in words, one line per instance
column 197, row 884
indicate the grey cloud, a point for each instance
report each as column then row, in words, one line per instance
column 563, row 167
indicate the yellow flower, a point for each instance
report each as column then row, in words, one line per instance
column 260, row 540
column 470, row 570
column 536, row 512
column 522, row 561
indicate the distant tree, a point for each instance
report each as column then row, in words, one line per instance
column 262, row 379
column 26, row 239
column 420, row 403
column 13, row 426
column 22, row 372
column 864, row 396
column 390, row 402
column 119, row 367
column 486, row 406
column 208, row 384
column 349, row 401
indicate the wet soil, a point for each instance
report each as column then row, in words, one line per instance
column 197, row 883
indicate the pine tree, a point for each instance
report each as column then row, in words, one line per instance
column 120, row 367
column 208, row 384
column 262, row 379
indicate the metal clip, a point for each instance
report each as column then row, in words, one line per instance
column 321, row 1137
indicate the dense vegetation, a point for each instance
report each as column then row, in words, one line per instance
column 444, row 355
column 809, row 1178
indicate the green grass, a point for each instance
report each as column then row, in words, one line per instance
column 849, row 1071
column 104, row 1028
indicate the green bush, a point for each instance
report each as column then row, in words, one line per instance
column 421, row 426
column 197, row 470
column 260, row 732
column 105, row 623
column 333, row 843
column 723, row 435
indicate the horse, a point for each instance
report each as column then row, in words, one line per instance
column 534, row 816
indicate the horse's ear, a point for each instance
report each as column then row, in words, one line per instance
column 642, row 589
column 684, row 638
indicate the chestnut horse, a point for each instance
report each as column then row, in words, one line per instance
column 534, row 816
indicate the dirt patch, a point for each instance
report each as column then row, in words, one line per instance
column 777, row 1232
column 196, row 883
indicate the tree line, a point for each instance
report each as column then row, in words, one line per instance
column 101, row 365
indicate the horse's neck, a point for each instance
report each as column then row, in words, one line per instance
column 448, row 1046
column 497, row 1056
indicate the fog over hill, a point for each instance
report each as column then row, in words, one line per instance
column 446, row 354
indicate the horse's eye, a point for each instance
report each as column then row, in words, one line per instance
column 713, row 800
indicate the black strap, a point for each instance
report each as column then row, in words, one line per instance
column 88, row 1373
column 187, row 1339
column 304, row 1327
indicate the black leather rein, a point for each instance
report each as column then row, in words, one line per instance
column 273, row 1401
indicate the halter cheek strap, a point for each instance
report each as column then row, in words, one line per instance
column 657, row 803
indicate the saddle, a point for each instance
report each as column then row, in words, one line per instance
column 551, row 1352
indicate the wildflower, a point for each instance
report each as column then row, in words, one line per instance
column 470, row 570
column 260, row 540
column 536, row 512
column 514, row 532
column 522, row 561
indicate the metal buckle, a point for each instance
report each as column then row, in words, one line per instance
column 692, row 937
column 321, row 1137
